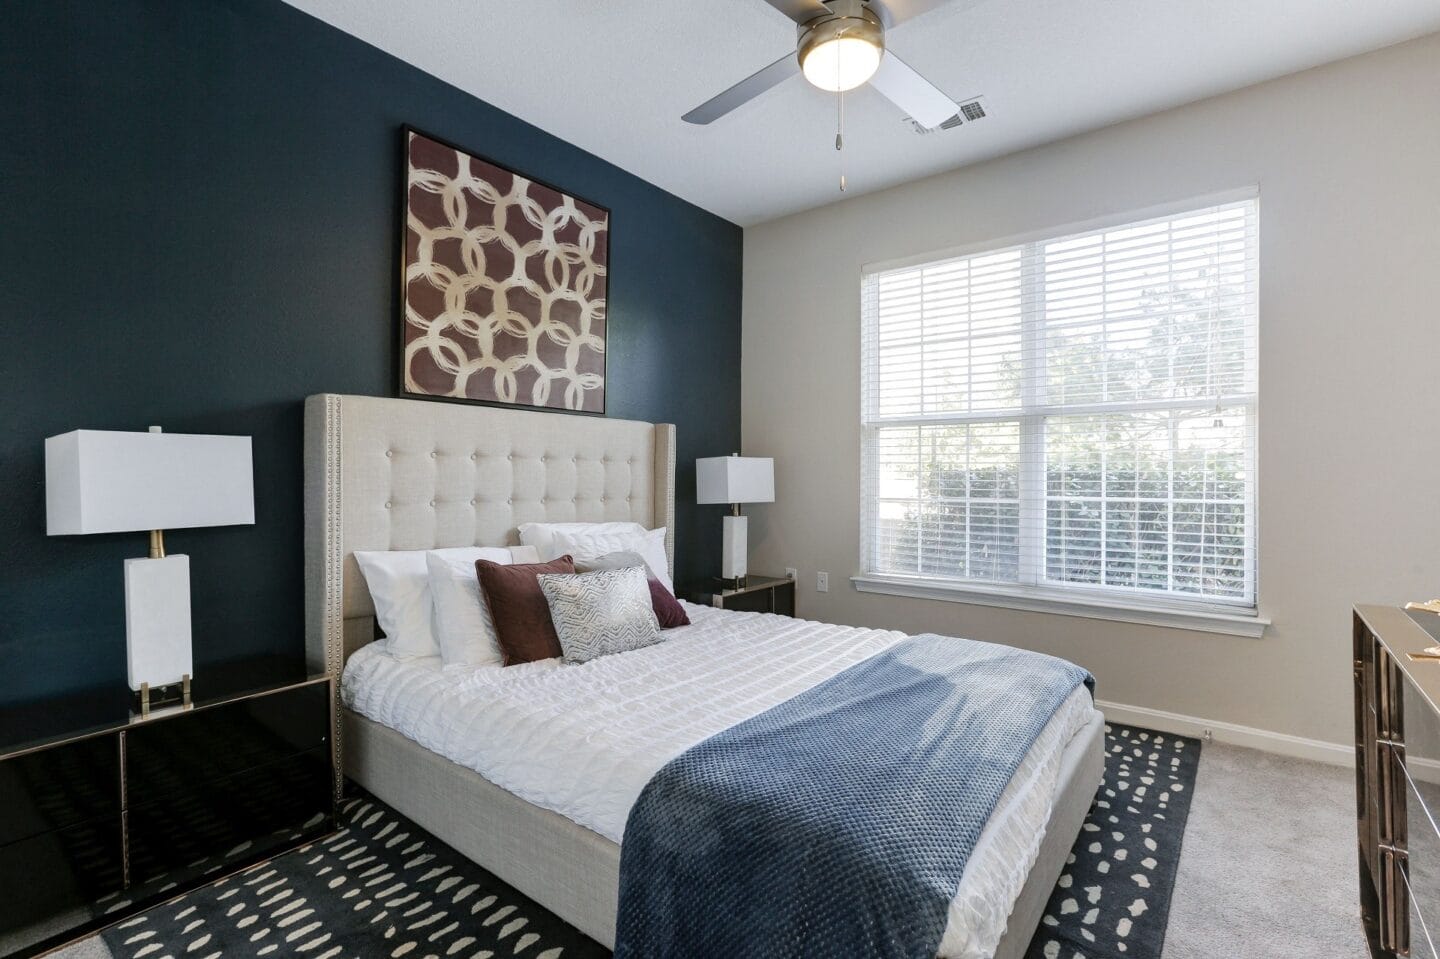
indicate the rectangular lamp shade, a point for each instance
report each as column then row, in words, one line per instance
column 104, row 481
column 735, row 479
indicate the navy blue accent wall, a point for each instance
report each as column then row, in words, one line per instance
column 198, row 228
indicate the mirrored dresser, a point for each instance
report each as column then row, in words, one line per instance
column 1397, row 778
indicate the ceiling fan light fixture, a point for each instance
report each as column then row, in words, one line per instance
column 843, row 50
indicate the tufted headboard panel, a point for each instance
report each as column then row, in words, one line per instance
column 409, row 474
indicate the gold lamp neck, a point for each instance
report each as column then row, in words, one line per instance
column 157, row 536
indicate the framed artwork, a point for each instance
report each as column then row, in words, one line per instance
column 503, row 286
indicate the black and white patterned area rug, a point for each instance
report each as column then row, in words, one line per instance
column 1113, row 899
column 382, row 886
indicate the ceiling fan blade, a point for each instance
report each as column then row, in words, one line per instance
column 912, row 93
column 744, row 91
column 892, row 13
column 801, row 11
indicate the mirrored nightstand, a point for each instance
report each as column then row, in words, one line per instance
column 760, row 594
column 104, row 812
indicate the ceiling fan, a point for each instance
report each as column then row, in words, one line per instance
column 841, row 46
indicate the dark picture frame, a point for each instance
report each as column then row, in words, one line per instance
column 504, row 284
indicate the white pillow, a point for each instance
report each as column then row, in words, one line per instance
column 542, row 535
column 399, row 582
column 463, row 626
column 400, row 588
column 520, row 555
column 587, row 547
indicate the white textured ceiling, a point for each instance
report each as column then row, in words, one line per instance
column 614, row 77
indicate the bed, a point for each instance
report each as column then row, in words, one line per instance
column 405, row 474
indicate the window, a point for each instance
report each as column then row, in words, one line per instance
column 1071, row 418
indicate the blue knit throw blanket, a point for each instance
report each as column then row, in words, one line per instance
column 837, row 823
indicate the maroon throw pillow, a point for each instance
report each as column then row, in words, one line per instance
column 668, row 611
column 518, row 608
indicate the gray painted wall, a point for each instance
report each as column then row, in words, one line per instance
column 1347, row 159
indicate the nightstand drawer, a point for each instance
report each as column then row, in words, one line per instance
column 170, row 756
column 217, row 824
column 57, row 787
column 47, row 877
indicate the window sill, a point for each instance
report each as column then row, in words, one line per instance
column 1206, row 621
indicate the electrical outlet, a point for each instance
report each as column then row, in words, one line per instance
column 791, row 572
column 822, row 582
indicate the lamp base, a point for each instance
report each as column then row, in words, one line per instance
column 157, row 622
column 734, row 536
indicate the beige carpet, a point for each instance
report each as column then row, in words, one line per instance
column 1267, row 870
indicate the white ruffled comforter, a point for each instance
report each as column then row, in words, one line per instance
column 584, row 740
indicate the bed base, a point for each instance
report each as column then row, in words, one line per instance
column 575, row 872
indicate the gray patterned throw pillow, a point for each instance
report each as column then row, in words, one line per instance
column 596, row 614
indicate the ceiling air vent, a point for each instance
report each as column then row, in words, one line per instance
column 969, row 111
column 972, row 110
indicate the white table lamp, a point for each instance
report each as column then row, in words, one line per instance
column 735, row 479
column 100, row 481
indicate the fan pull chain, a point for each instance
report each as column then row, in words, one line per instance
column 840, row 134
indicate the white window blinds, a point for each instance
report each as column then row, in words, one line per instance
column 1070, row 414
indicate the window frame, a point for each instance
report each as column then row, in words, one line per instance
column 1034, row 591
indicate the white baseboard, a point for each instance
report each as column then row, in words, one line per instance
column 1281, row 744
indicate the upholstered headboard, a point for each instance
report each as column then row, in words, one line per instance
column 410, row 474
